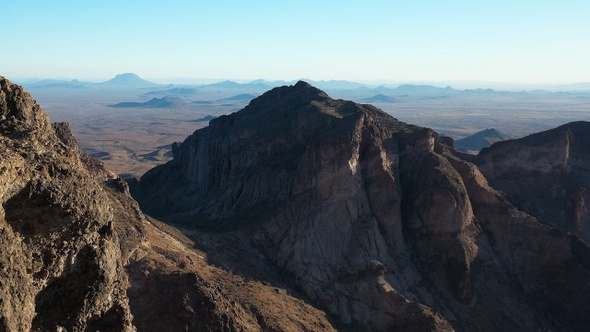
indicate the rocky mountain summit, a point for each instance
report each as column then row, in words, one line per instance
column 77, row 254
column 377, row 222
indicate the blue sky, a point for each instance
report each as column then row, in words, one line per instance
column 501, row 41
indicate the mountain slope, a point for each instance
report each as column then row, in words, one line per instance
column 546, row 175
column 481, row 139
column 374, row 219
column 58, row 84
column 77, row 254
column 181, row 91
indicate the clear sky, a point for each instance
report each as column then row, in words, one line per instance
column 422, row 40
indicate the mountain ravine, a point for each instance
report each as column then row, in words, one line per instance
column 374, row 221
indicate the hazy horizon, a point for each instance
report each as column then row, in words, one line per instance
column 510, row 86
column 523, row 43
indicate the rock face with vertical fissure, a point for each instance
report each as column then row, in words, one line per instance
column 377, row 221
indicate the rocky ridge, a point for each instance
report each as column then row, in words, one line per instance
column 547, row 175
column 79, row 255
column 378, row 222
column 61, row 260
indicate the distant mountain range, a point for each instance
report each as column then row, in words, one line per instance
column 133, row 81
column 121, row 81
column 173, row 92
column 584, row 86
column 234, row 85
column 242, row 97
column 58, row 84
column 166, row 102
column 174, row 102
column 422, row 89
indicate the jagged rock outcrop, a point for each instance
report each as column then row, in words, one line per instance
column 547, row 175
column 77, row 254
column 61, row 258
column 375, row 220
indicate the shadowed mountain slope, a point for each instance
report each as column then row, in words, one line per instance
column 375, row 220
column 546, row 175
column 77, row 254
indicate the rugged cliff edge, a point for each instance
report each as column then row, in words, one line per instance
column 376, row 221
column 77, row 254
column 546, row 175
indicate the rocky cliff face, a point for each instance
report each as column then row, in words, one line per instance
column 376, row 221
column 77, row 254
column 60, row 262
column 547, row 175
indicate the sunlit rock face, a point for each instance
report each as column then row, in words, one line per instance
column 60, row 228
column 377, row 221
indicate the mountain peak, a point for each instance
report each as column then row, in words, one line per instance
column 129, row 80
column 281, row 106
column 127, row 76
column 21, row 115
column 303, row 85
column 291, row 95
